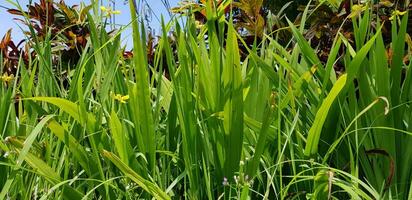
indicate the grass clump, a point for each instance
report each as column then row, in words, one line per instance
column 276, row 124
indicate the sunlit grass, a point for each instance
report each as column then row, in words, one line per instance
column 279, row 124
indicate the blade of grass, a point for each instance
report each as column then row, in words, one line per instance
column 146, row 185
column 313, row 138
column 233, row 109
column 144, row 124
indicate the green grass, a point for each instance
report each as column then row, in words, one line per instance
column 277, row 125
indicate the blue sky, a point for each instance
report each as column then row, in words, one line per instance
column 6, row 19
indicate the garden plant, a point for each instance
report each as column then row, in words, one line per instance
column 265, row 106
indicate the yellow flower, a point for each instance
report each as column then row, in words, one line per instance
column 108, row 11
column 6, row 78
column 198, row 25
column 386, row 3
column 357, row 9
column 120, row 98
column 116, row 12
column 397, row 13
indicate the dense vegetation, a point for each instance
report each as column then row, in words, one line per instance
column 206, row 113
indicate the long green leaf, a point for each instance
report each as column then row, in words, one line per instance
column 146, row 185
column 311, row 148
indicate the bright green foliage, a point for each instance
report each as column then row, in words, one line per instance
column 279, row 124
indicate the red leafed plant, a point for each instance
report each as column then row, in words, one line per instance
column 67, row 24
column 11, row 53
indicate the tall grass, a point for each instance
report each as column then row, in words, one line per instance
column 279, row 124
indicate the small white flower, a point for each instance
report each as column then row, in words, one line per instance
column 236, row 179
column 225, row 182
